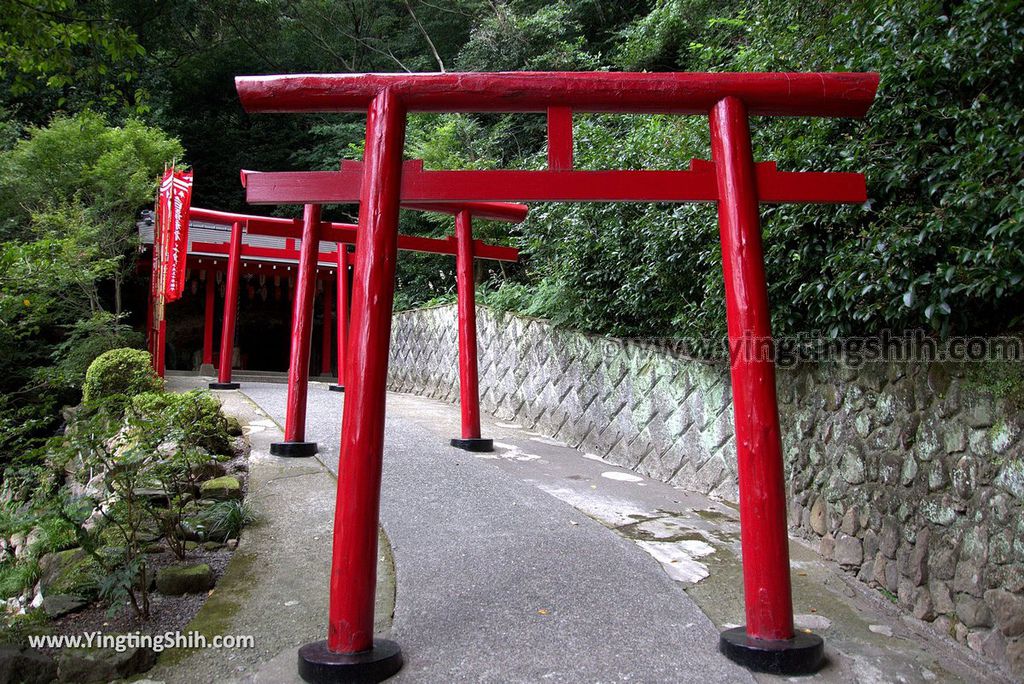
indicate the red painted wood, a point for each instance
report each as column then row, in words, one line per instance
column 764, row 538
column 780, row 94
column 559, row 139
column 227, row 328
column 208, row 320
column 696, row 185
column 343, row 297
column 357, row 509
column 325, row 331
column 346, row 234
column 469, row 389
column 302, row 327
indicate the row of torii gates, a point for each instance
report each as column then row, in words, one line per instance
column 308, row 233
column 381, row 183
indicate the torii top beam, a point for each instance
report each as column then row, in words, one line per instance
column 345, row 233
column 775, row 94
column 561, row 94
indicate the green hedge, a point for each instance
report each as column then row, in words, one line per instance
column 120, row 372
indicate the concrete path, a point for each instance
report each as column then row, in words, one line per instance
column 497, row 581
column 275, row 587
column 539, row 563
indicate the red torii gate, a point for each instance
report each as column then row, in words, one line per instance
column 732, row 179
column 310, row 230
column 465, row 249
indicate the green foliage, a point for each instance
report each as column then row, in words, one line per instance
column 65, row 45
column 192, row 419
column 123, row 371
column 16, row 577
column 225, row 519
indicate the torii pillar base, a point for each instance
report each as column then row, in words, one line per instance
column 801, row 655
column 207, row 369
column 477, row 444
column 224, row 385
column 293, row 449
column 318, row 665
column 336, row 388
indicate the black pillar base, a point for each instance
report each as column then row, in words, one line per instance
column 293, row 449
column 224, row 385
column 336, row 388
column 477, row 444
column 803, row 654
column 318, row 665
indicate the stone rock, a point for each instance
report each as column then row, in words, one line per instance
column 25, row 665
column 917, row 569
column 103, row 664
column 221, row 488
column 851, row 521
column 924, row 609
column 827, row 547
column 937, row 478
column 819, row 516
column 18, row 545
column 972, row 611
column 852, row 465
column 234, row 428
column 889, row 540
column 1015, row 657
column 942, row 598
column 811, row 621
column 68, row 572
column 1007, row 610
column 870, row 541
column 184, row 579
column 56, row 605
column 1010, row 478
column 849, row 552
column 232, row 544
column 942, row 563
column 212, row 546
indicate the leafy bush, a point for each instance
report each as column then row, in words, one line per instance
column 120, row 371
column 192, row 419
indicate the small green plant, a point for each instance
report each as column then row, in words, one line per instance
column 17, row 576
column 225, row 519
column 120, row 372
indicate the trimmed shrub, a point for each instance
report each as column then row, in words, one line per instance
column 192, row 419
column 120, row 371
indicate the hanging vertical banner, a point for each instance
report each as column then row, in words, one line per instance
column 172, row 223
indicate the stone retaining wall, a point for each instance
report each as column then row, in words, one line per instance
column 905, row 474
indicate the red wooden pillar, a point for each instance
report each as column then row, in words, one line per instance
column 325, row 337
column 150, row 340
column 469, row 389
column 350, row 650
column 768, row 639
column 342, row 316
column 295, row 443
column 208, row 320
column 227, row 328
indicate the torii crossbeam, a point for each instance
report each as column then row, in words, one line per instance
column 731, row 178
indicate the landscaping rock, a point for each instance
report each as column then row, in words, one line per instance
column 849, row 552
column 103, row 664
column 212, row 546
column 25, row 665
column 234, row 428
column 221, row 488
column 187, row 579
column 1008, row 611
column 68, row 572
column 56, row 605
